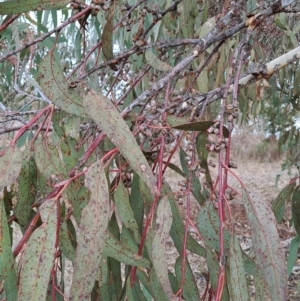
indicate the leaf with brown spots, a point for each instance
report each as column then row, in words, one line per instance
column 48, row 160
column 26, row 195
column 159, row 259
column 107, row 40
column 155, row 62
column 125, row 211
column 18, row 7
column 199, row 126
column 90, row 242
column 279, row 203
column 266, row 244
column 7, row 271
column 296, row 208
column 10, row 166
column 105, row 114
column 39, row 255
column 238, row 282
column 123, row 252
column 57, row 89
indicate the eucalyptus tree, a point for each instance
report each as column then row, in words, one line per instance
column 97, row 98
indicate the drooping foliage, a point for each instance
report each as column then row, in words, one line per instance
column 99, row 101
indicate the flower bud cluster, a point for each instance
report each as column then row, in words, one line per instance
column 215, row 144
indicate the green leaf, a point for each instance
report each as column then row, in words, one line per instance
column 27, row 192
column 176, row 169
column 107, row 40
column 196, row 186
column 251, row 5
column 279, row 203
column 293, row 253
column 296, row 208
column 296, row 88
column 190, row 289
column 137, row 293
column 120, row 251
column 177, row 229
column 105, row 114
column 177, row 121
column 201, row 141
column 65, row 242
column 7, row 269
column 93, row 223
column 56, row 87
column 157, row 288
column 18, row 7
column 125, row 212
column 39, row 255
column 114, row 266
column 48, row 160
column 136, row 201
column 238, row 282
column 266, row 244
column 199, row 126
column 155, row 62
column 213, row 267
column 127, row 239
column 213, row 271
column 281, row 22
column 79, row 199
column 208, row 224
column 10, row 166
column 142, row 276
column 207, row 27
column 162, row 229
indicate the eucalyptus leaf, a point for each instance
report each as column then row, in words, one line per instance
column 18, row 7
column 104, row 113
column 266, row 244
column 39, row 256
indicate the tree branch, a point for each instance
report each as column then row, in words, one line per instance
column 264, row 71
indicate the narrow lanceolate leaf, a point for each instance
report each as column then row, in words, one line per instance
column 196, row 185
column 27, row 192
column 208, row 224
column 293, row 253
column 163, row 223
column 48, row 160
column 199, row 126
column 190, row 289
column 39, row 255
column 107, row 40
column 57, row 89
column 65, row 243
column 125, row 212
column 279, row 203
column 122, row 252
column 155, row 62
column 177, row 228
column 7, row 269
column 157, row 288
column 296, row 208
column 266, row 244
column 202, row 151
column 104, row 113
column 94, row 222
column 10, row 166
column 18, row 7
column 238, row 282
